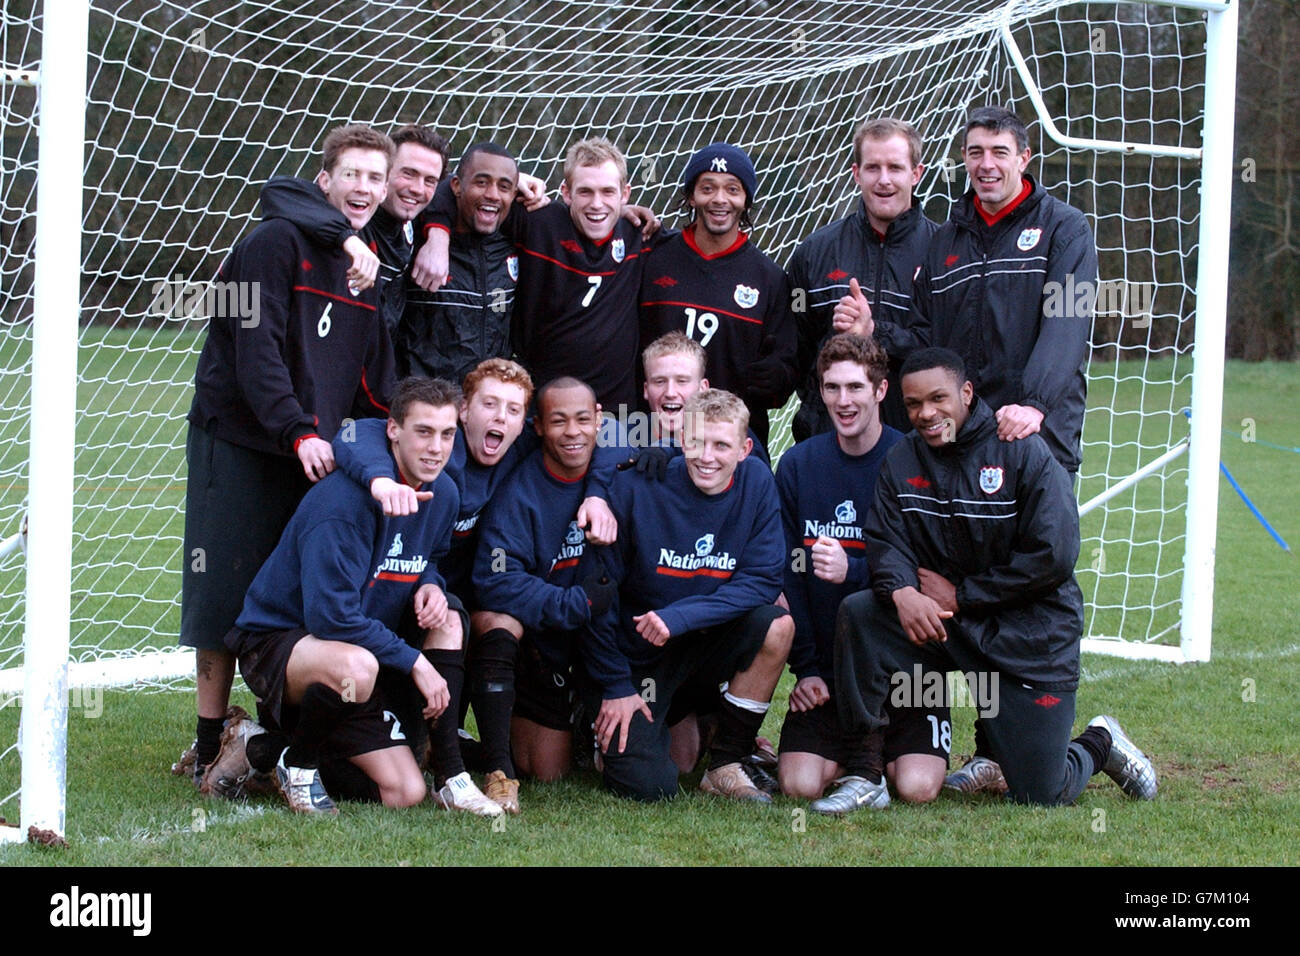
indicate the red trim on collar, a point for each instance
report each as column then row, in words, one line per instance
column 1025, row 189
column 688, row 236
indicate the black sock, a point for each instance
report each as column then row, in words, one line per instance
column 263, row 750
column 344, row 780
column 492, row 692
column 444, row 745
column 1096, row 741
column 982, row 746
column 864, row 755
column 737, row 728
column 208, row 734
column 321, row 710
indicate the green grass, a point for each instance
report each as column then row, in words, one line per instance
column 1229, row 767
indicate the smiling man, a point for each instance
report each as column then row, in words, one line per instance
column 448, row 330
column 698, row 564
column 863, row 265
column 984, row 290
column 715, row 286
column 579, row 271
column 827, row 485
column 270, row 390
column 530, row 579
column 1004, row 606
column 381, row 247
column 348, row 639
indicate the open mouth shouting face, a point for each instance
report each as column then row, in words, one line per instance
column 493, row 417
column 669, row 381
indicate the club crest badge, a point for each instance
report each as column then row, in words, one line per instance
column 1028, row 239
column 990, row 480
column 574, row 534
column 746, row 297
column 704, row 546
column 617, row 250
column 512, row 267
column 408, row 232
column 845, row 513
column 396, row 547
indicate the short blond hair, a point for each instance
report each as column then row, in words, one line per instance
column 595, row 151
column 885, row 128
column 674, row 343
column 503, row 370
column 717, row 405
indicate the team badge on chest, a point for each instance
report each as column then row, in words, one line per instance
column 512, row 267
column 845, row 513
column 617, row 250
column 746, row 297
column 574, row 534
column 704, row 546
column 1028, row 239
column 990, row 480
column 408, row 232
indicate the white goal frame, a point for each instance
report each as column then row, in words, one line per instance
column 62, row 135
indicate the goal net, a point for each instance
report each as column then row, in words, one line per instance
column 192, row 106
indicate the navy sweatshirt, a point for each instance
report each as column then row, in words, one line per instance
column 362, row 453
column 824, row 492
column 697, row 560
column 530, row 549
column 345, row 572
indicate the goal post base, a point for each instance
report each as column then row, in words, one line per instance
column 156, row 667
column 1118, row 647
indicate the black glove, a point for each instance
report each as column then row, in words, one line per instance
column 600, row 588
column 769, row 375
column 651, row 462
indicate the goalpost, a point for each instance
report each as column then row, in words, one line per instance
column 186, row 108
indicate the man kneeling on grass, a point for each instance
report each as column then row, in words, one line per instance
column 347, row 637
column 972, row 543
column 699, row 559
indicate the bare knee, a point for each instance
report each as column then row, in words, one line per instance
column 408, row 791
column 917, row 788
column 780, row 635
column 480, row 622
column 802, row 783
column 684, row 743
column 358, row 671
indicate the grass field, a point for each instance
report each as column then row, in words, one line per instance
column 1224, row 735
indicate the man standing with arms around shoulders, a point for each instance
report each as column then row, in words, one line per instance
column 712, row 283
column 863, row 265
column 270, row 391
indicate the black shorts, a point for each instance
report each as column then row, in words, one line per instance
column 817, row 731
column 918, row 730
column 390, row 718
column 924, row 730
column 237, row 504
column 544, row 690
